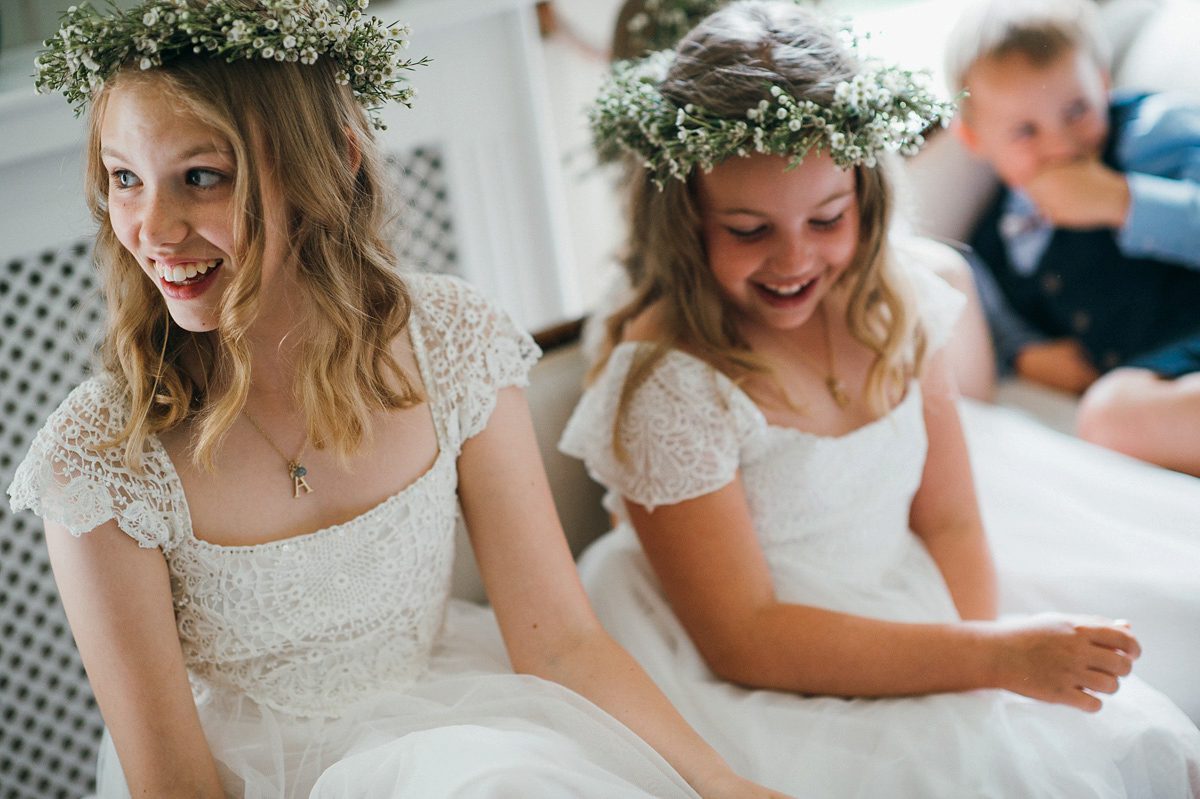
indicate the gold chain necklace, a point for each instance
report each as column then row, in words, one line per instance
column 835, row 387
column 294, row 467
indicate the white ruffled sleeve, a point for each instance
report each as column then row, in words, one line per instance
column 683, row 433
column 473, row 348
column 938, row 303
column 70, row 478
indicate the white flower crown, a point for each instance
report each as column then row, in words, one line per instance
column 883, row 108
column 90, row 47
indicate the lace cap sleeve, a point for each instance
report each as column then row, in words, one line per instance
column 683, row 432
column 473, row 348
column 938, row 303
column 69, row 479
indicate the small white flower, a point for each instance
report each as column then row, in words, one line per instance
column 272, row 24
column 150, row 18
column 289, row 41
column 268, row 52
column 146, row 63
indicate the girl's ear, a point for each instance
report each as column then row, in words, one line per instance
column 355, row 150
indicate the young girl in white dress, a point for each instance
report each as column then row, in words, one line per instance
column 251, row 509
column 799, row 560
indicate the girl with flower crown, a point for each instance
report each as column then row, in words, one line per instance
column 251, row 510
column 799, row 561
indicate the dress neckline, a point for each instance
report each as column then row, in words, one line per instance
column 189, row 533
column 911, row 395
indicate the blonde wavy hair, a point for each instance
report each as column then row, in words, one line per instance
column 294, row 123
column 726, row 65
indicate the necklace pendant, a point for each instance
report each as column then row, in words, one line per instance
column 837, row 390
column 298, row 482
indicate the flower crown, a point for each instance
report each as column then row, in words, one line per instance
column 883, row 108
column 90, row 47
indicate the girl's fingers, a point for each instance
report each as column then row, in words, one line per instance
column 1100, row 682
column 1110, row 661
column 1083, row 700
column 1116, row 638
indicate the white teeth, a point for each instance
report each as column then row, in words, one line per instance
column 788, row 289
column 178, row 274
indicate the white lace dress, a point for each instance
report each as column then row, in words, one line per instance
column 831, row 514
column 336, row 659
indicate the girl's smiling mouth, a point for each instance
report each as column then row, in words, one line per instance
column 790, row 292
column 186, row 274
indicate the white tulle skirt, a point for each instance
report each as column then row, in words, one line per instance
column 467, row 730
column 977, row 744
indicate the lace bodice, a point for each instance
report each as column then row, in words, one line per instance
column 309, row 624
column 823, row 505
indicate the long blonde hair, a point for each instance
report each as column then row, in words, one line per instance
column 726, row 65
column 294, row 122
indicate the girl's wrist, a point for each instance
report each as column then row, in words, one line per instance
column 988, row 654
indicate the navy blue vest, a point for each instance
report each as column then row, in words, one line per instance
column 1084, row 288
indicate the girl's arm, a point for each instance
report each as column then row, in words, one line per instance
column 117, row 596
column 708, row 560
column 548, row 625
column 945, row 513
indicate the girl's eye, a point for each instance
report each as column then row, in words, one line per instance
column 748, row 234
column 826, row 224
column 123, row 178
column 203, row 178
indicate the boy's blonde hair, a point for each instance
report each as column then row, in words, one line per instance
column 293, row 123
column 1039, row 30
column 724, row 65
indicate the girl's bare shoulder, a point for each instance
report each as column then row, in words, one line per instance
column 648, row 326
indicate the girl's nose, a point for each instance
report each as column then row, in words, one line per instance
column 162, row 221
column 793, row 253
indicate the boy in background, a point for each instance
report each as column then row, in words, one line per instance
column 1089, row 257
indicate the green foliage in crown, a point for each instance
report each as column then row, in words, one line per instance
column 91, row 46
column 883, row 108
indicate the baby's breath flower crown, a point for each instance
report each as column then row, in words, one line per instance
column 883, row 108
column 90, row 46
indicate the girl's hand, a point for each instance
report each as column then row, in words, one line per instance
column 1065, row 659
column 730, row 786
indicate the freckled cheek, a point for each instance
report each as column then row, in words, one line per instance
column 123, row 224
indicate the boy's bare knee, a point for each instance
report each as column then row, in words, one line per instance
column 1111, row 411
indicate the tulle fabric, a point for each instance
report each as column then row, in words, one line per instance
column 980, row 744
column 468, row 729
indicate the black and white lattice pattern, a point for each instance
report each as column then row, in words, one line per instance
column 49, row 723
column 424, row 236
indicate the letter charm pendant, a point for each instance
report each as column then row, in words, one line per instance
column 297, row 471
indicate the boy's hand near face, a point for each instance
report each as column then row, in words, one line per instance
column 1081, row 195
